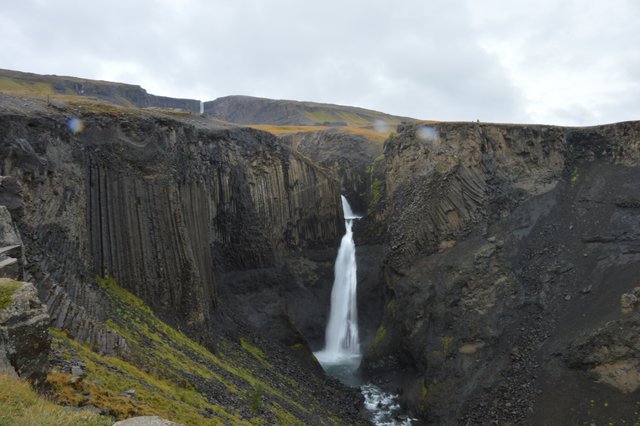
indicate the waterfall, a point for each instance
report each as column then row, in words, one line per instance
column 341, row 354
column 341, row 337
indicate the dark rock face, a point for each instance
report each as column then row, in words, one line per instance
column 174, row 211
column 346, row 154
column 504, row 244
column 24, row 334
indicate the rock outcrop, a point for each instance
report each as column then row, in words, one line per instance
column 11, row 251
column 610, row 354
column 24, row 332
column 509, row 253
column 502, row 244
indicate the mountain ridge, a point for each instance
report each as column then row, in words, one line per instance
column 244, row 109
column 238, row 109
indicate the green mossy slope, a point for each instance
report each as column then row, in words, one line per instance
column 20, row 405
column 178, row 379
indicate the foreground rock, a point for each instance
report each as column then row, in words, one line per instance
column 146, row 421
column 24, row 332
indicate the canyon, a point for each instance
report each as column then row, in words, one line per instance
column 497, row 264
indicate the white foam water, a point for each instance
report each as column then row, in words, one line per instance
column 384, row 407
column 342, row 342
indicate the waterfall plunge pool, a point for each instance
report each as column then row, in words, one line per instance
column 383, row 407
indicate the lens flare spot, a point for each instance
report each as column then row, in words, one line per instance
column 381, row 126
column 428, row 133
column 75, row 125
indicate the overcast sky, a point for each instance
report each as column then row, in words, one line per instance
column 557, row 62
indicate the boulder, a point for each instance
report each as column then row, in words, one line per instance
column 24, row 332
column 146, row 421
column 629, row 301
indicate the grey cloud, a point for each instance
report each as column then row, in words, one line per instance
column 423, row 59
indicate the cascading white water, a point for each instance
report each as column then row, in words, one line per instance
column 341, row 337
column 341, row 354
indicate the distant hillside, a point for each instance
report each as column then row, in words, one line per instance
column 250, row 110
column 129, row 95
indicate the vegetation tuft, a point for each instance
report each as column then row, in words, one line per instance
column 20, row 405
column 381, row 333
column 574, row 175
column 7, row 288
column 256, row 398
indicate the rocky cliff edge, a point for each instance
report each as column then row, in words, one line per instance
column 508, row 248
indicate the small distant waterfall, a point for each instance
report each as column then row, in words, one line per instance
column 341, row 338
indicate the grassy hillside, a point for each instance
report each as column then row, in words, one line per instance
column 252, row 110
column 21, row 406
column 374, row 136
column 128, row 95
column 16, row 86
column 17, row 82
column 178, row 379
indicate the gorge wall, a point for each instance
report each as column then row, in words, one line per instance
column 348, row 156
column 177, row 211
column 507, row 251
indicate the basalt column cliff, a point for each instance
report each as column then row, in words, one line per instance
column 167, row 207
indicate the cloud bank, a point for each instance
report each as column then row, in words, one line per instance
column 572, row 63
